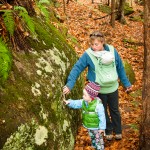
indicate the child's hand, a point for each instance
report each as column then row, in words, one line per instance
column 66, row 102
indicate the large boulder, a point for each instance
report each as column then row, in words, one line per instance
column 32, row 114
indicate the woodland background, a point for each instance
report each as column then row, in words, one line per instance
column 77, row 19
column 81, row 19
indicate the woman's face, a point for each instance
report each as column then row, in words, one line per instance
column 97, row 45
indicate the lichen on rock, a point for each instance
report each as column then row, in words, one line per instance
column 41, row 135
column 34, row 90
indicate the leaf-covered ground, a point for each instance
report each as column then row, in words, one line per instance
column 128, row 40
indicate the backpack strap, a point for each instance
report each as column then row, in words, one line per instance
column 111, row 49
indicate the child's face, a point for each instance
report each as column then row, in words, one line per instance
column 97, row 45
column 86, row 96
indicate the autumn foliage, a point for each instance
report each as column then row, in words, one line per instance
column 79, row 18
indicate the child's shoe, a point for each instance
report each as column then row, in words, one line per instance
column 118, row 136
column 109, row 137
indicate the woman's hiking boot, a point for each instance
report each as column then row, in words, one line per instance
column 109, row 137
column 118, row 136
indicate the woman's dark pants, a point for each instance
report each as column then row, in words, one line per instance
column 110, row 102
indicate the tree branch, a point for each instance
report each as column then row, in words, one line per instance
column 106, row 15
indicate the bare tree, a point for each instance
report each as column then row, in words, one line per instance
column 145, row 124
column 120, row 14
column 113, row 13
column 108, row 2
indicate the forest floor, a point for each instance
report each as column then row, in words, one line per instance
column 79, row 18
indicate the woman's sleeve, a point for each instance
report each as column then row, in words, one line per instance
column 121, row 71
column 79, row 66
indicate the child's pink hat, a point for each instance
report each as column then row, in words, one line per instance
column 92, row 89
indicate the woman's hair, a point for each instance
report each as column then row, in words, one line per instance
column 97, row 35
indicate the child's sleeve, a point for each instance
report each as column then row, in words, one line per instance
column 101, row 116
column 75, row 104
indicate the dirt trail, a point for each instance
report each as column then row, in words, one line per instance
column 79, row 20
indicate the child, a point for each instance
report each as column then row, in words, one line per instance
column 92, row 58
column 93, row 114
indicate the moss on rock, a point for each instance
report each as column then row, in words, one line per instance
column 127, row 9
column 34, row 90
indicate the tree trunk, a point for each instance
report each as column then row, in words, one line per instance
column 145, row 125
column 121, row 12
column 108, row 3
column 113, row 13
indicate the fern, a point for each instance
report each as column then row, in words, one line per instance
column 3, row 48
column 5, row 61
column 44, row 2
column 44, row 10
column 9, row 21
column 26, row 18
column 20, row 8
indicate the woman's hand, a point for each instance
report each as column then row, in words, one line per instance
column 66, row 90
column 128, row 89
